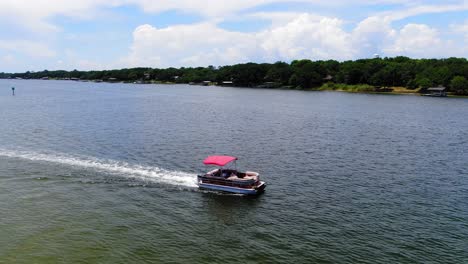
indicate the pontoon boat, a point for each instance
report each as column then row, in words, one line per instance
column 229, row 180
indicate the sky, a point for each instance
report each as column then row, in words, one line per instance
column 114, row 34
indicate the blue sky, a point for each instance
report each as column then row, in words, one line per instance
column 109, row 34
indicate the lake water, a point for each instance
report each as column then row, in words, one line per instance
column 106, row 173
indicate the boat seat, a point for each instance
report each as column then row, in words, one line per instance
column 212, row 172
column 234, row 178
column 251, row 178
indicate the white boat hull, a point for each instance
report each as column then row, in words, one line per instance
column 247, row 191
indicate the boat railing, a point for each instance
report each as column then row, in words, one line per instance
column 225, row 182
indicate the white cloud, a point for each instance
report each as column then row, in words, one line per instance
column 378, row 35
column 205, row 43
column 372, row 34
column 416, row 9
column 34, row 15
column 216, row 8
column 417, row 40
column 188, row 44
column 9, row 62
column 291, row 35
column 461, row 29
column 211, row 8
column 30, row 48
column 8, row 59
column 71, row 60
column 307, row 36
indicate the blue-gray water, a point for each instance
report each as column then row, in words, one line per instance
column 105, row 173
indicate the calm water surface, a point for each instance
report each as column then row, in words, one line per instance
column 105, row 173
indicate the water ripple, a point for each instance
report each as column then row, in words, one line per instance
column 146, row 173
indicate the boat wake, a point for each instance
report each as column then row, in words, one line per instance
column 146, row 173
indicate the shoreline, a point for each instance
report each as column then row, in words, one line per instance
column 389, row 93
column 352, row 89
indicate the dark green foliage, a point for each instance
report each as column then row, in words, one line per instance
column 424, row 83
column 307, row 74
column 299, row 74
column 459, row 85
column 279, row 72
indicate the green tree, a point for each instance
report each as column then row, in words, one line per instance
column 279, row 72
column 424, row 83
column 307, row 74
column 302, row 74
column 459, row 85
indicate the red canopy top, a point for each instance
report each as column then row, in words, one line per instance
column 218, row 160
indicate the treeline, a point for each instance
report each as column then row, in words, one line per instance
column 299, row 74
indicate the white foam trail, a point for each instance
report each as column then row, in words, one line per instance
column 146, row 173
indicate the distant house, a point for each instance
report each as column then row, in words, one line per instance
column 385, row 89
column 227, row 83
column 437, row 91
column 269, row 85
column 45, row 78
column 329, row 78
